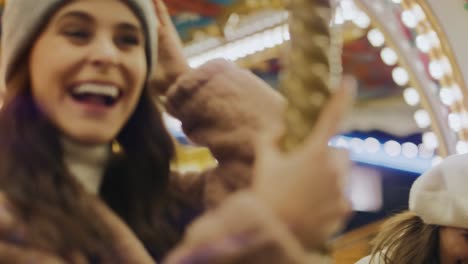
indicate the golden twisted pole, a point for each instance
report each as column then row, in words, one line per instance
column 306, row 80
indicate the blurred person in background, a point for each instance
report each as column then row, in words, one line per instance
column 435, row 229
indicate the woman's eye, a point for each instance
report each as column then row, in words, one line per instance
column 128, row 40
column 77, row 34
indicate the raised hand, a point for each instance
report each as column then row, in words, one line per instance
column 241, row 230
column 171, row 60
column 297, row 201
column 306, row 185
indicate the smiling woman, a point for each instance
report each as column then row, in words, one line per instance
column 79, row 77
column 96, row 76
column 79, row 84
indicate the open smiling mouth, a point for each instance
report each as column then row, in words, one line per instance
column 96, row 94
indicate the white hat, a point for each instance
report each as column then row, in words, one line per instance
column 440, row 196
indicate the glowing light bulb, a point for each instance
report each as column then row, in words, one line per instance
column 446, row 65
column 462, row 147
column 411, row 96
column 361, row 20
column 375, row 37
column 342, row 143
column 339, row 19
column 418, row 12
column 409, row 19
column 436, row 70
column 392, row 148
column 455, row 122
column 423, row 43
column 446, row 96
column 409, row 150
column 389, row 56
column 433, row 39
column 400, row 76
column 430, row 140
column 422, row 118
column 372, row 145
column 425, row 152
column 457, row 93
column 357, row 145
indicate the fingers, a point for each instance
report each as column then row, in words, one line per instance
column 162, row 13
column 341, row 162
column 243, row 228
column 343, row 211
column 269, row 139
column 334, row 112
column 206, row 240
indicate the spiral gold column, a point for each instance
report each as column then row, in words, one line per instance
column 305, row 82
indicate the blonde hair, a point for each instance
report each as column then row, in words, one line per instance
column 406, row 239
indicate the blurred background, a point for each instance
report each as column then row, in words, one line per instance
column 410, row 109
column 408, row 58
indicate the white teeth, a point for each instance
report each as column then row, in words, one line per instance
column 98, row 89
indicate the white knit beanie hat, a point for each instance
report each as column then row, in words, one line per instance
column 23, row 20
column 440, row 196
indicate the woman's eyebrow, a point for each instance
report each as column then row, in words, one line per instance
column 129, row 27
column 76, row 14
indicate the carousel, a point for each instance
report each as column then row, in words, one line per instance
column 409, row 58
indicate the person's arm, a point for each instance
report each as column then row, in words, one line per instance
column 224, row 108
column 241, row 230
column 221, row 107
column 306, row 185
column 296, row 203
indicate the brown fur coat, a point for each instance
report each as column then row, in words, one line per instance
column 225, row 108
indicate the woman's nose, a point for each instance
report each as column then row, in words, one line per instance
column 103, row 53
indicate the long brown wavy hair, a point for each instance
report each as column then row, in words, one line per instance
column 406, row 239
column 56, row 209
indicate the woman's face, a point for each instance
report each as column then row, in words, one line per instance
column 88, row 68
column 453, row 245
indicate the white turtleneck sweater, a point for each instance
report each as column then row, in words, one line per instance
column 86, row 162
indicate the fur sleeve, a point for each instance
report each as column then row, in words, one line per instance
column 224, row 107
